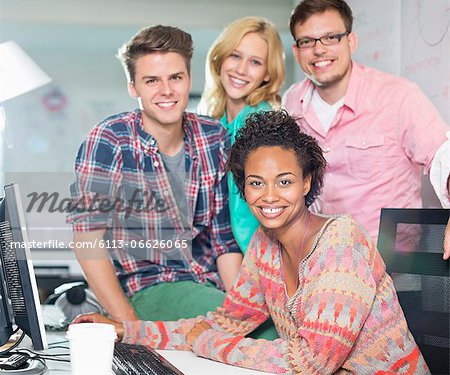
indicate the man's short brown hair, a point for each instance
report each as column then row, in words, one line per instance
column 155, row 39
column 307, row 8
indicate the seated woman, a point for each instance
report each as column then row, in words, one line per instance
column 321, row 279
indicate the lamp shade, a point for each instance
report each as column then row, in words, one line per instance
column 18, row 72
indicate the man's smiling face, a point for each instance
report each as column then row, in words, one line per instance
column 326, row 66
column 161, row 84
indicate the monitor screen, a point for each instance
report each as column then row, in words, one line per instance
column 18, row 291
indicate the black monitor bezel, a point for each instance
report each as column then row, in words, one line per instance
column 32, row 323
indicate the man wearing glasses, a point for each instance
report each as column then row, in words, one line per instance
column 377, row 131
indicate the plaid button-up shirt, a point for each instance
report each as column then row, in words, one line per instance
column 121, row 185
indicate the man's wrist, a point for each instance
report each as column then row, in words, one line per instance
column 127, row 314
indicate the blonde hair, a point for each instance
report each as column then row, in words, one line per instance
column 214, row 95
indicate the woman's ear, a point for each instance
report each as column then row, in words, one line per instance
column 306, row 185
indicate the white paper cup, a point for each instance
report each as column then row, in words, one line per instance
column 91, row 348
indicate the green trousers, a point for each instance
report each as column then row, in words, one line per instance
column 186, row 299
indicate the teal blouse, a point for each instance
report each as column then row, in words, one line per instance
column 243, row 223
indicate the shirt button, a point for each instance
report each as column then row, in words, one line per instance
column 326, row 149
column 364, row 143
column 152, row 142
column 166, row 193
column 156, row 164
column 174, row 216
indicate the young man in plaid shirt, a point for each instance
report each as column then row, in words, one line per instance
column 150, row 201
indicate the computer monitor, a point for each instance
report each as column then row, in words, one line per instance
column 19, row 298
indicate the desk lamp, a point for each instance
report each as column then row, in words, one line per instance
column 18, row 74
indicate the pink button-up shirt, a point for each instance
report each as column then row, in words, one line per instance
column 379, row 141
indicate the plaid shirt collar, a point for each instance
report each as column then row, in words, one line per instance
column 149, row 144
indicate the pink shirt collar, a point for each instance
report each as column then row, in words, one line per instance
column 353, row 95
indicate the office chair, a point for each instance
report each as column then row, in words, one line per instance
column 411, row 244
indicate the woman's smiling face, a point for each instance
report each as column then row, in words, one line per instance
column 275, row 187
column 246, row 67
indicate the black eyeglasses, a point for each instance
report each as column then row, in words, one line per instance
column 326, row 40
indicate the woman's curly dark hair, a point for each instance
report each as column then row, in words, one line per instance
column 277, row 129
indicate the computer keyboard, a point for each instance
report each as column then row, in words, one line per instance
column 137, row 359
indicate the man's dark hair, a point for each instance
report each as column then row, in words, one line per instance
column 155, row 39
column 277, row 129
column 307, row 8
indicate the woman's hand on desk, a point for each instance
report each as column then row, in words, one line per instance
column 196, row 331
column 99, row 318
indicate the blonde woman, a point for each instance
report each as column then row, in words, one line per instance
column 244, row 74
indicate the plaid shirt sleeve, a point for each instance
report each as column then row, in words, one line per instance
column 97, row 176
column 222, row 238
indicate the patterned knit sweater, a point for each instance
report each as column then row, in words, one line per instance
column 344, row 317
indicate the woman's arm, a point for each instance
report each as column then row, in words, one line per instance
column 243, row 311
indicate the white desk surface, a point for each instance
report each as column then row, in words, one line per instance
column 186, row 361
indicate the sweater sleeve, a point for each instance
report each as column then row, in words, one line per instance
column 338, row 291
column 244, row 309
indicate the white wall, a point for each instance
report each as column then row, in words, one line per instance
column 190, row 14
column 409, row 38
